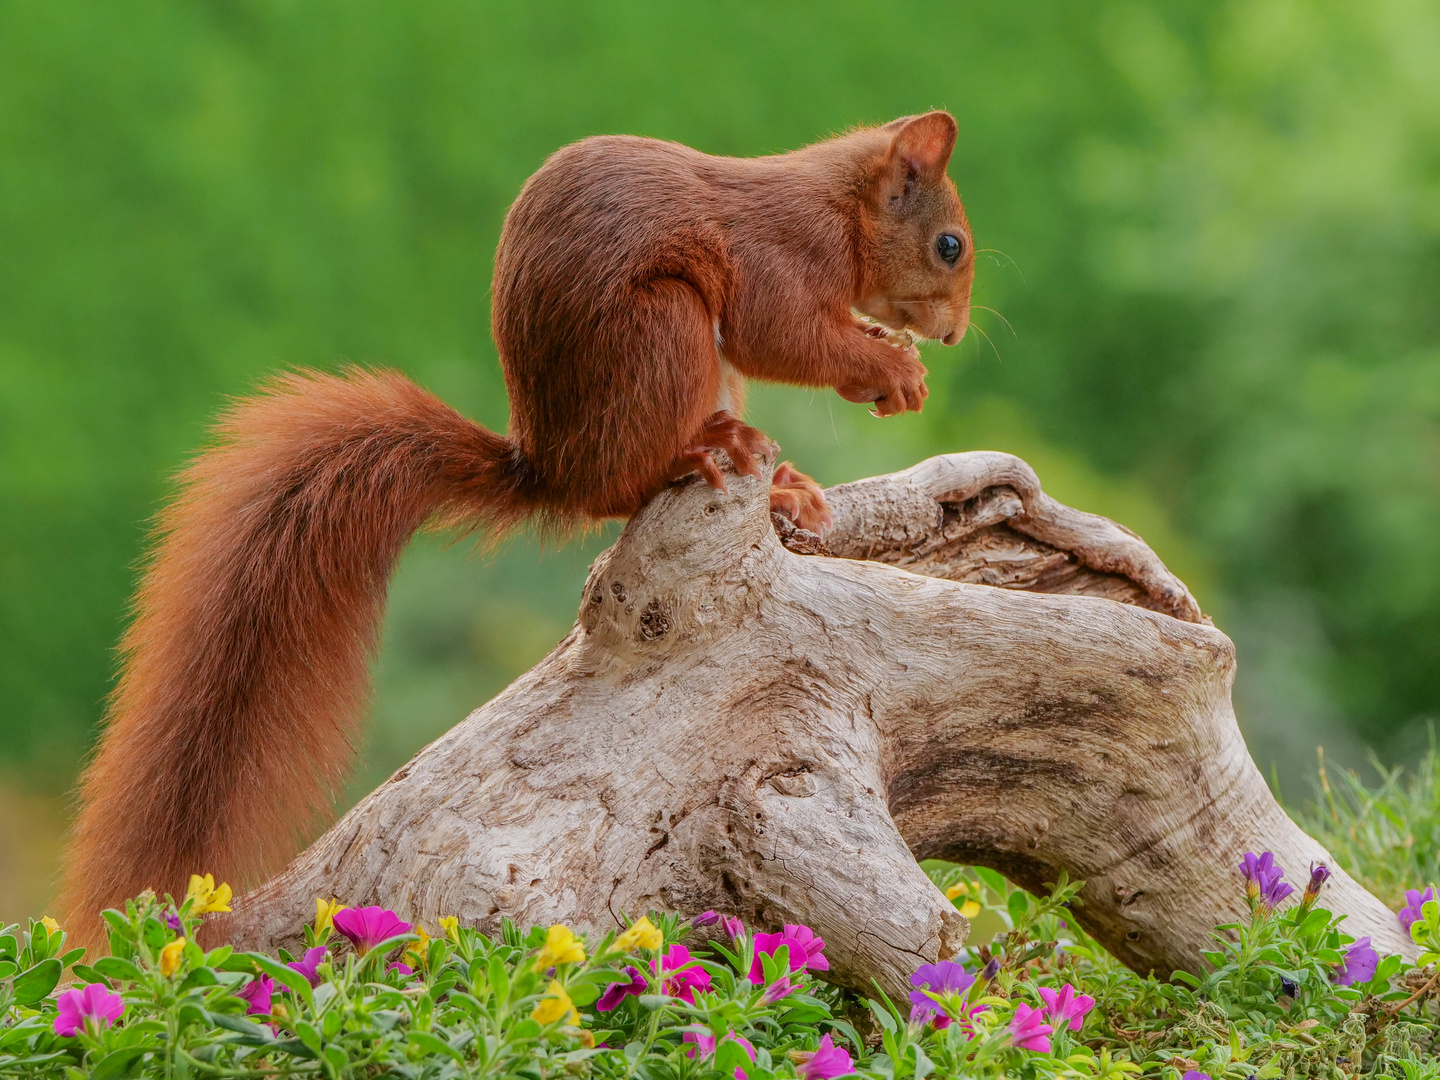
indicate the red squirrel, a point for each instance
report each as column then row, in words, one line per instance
column 637, row 283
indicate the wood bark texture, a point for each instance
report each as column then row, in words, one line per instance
column 746, row 720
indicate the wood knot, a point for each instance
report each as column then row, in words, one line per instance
column 654, row 623
column 795, row 783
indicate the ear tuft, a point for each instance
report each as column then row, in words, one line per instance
column 925, row 143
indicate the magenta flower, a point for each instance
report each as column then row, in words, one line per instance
column 94, row 1002
column 705, row 918
column 706, row 1043
column 1028, row 1030
column 1264, row 881
column 806, row 950
column 172, row 920
column 404, row 969
column 827, row 1062
column 310, row 963
column 778, row 990
column 615, row 993
column 733, row 926
column 1414, row 901
column 946, row 977
column 366, row 927
column 682, row 984
column 1359, row 964
column 256, row 993
column 1195, row 1074
column 1066, row 1006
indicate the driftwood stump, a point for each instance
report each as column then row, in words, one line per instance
column 780, row 735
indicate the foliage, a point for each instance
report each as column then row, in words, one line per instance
column 1213, row 231
column 1286, row 994
column 1387, row 833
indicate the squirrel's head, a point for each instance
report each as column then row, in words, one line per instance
column 924, row 260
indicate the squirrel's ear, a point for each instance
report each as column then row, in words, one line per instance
column 922, row 146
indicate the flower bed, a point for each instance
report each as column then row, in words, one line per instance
column 1288, row 994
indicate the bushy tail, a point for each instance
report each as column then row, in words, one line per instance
column 245, row 667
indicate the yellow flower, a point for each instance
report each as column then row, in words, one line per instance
column 170, row 956
column 417, row 949
column 968, row 907
column 560, row 948
column 555, row 1004
column 207, row 895
column 49, row 924
column 325, row 913
column 641, row 934
column 451, row 925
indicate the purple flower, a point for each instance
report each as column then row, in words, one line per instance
column 309, row 965
column 257, row 994
column 94, row 1002
column 705, row 918
column 946, row 977
column 805, row 948
column 1196, row 1074
column 990, row 970
column 1359, row 964
column 682, row 984
column 1028, row 1030
column 366, row 927
column 1066, row 1007
column 1414, row 901
column 615, row 993
column 778, row 990
column 827, row 1062
column 733, row 926
column 705, row 1044
column 1319, row 874
column 172, row 920
column 1264, row 881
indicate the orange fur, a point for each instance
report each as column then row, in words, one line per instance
column 636, row 282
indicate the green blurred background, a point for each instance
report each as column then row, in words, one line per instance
column 1213, row 232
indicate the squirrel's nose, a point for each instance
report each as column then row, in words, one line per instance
column 951, row 338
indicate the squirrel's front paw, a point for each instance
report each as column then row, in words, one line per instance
column 898, row 388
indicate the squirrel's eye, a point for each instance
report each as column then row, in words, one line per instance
column 949, row 247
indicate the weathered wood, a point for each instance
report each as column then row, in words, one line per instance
column 736, row 726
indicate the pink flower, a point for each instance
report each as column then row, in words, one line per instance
column 1196, row 1074
column 827, row 1062
column 706, row 1043
column 257, row 994
column 366, row 927
column 1028, row 1030
column 1066, row 1007
column 308, row 966
column 705, row 918
column 684, row 983
column 95, row 1002
column 404, row 969
column 733, row 926
column 615, row 993
column 778, row 990
column 805, row 948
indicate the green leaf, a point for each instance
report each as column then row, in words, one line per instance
column 288, row 977
column 254, row 1034
column 112, row 967
column 427, row 1043
column 30, row 986
column 117, row 1063
column 499, row 979
column 995, row 881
